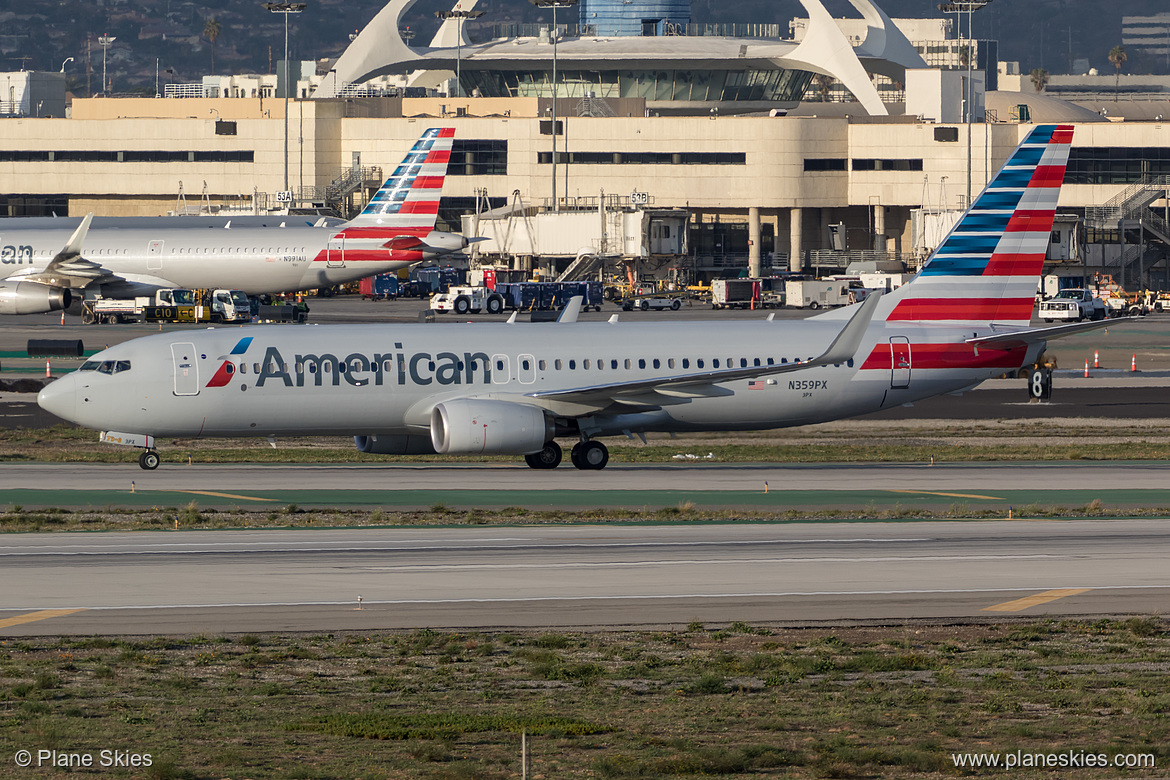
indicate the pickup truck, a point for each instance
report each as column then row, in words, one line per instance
column 1073, row 304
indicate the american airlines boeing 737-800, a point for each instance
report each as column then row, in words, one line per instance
column 512, row 388
column 395, row 230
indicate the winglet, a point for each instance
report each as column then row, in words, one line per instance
column 73, row 245
column 848, row 341
column 512, row 319
column 571, row 310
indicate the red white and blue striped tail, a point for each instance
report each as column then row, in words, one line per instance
column 410, row 197
column 988, row 267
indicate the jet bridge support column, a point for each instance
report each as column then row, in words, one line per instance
column 879, row 227
column 795, row 238
column 754, row 242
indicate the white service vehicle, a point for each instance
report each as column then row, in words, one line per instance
column 1073, row 304
column 648, row 302
column 114, row 310
column 463, row 300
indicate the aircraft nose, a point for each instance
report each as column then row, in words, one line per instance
column 59, row 397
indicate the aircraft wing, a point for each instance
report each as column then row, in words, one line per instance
column 652, row 393
column 68, row 268
column 1023, row 338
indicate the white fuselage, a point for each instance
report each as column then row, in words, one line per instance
column 386, row 379
column 252, row 259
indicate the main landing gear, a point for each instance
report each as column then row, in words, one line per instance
column 588, row 455
column 148, row 460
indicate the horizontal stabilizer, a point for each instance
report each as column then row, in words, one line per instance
column 400, row 243
column 1021, row 338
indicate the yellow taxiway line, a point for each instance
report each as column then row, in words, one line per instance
column 221, row 495
column 1032, row 601
column 949, row 495
column 32, row 617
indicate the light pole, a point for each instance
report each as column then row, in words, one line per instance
column 66, row 62
column 286, row 9
column 105, row 41
column 460, row 15
column 554, row 5
column 970, row 6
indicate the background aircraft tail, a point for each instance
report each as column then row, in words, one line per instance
column 988, row 267
column 409, row 198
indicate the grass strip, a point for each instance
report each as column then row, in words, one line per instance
column 730, row 700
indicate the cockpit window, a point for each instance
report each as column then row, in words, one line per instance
column 106, row 366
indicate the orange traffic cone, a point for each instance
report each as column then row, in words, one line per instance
column 62, row 318
column 1096, row 359
column 48, row 372
column 1086, row 368
column 1133, row 363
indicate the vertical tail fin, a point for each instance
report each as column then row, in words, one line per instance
column 989, row 265
column 410, row 197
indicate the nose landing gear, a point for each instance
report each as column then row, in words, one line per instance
column 148, row 460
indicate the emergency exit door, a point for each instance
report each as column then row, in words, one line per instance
column 335, row 252
column 899, row 362
column 186, row 369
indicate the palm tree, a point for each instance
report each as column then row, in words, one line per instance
column 1039, row 79
column 1117, row 57
column 211, row 33
column 824, row 85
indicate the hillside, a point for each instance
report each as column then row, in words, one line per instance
column 41, row 34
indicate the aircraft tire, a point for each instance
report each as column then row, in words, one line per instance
column 548, row 458
column 462, row 305
column 148, row 460
column 590, row 455
column 495, row 304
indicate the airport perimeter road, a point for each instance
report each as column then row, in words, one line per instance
column 587, row 576
column 760, row 487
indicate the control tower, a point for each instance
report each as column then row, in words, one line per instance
column 634, row 17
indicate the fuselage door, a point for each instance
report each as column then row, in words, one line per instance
column 501, row 372
column 154, row 255
column 525, row 369
column 186, row 368
column 899, row 362
column 335, row 252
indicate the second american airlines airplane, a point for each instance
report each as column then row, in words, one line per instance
column 508, row 388
column 395, row 230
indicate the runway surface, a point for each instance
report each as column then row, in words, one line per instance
column 747, row 486
column 586, row 576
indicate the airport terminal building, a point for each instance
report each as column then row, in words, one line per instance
column 786, row 184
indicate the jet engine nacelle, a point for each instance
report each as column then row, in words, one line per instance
column 394, row 445
column 469, row 427
column 439, row 243
column 32, row 298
